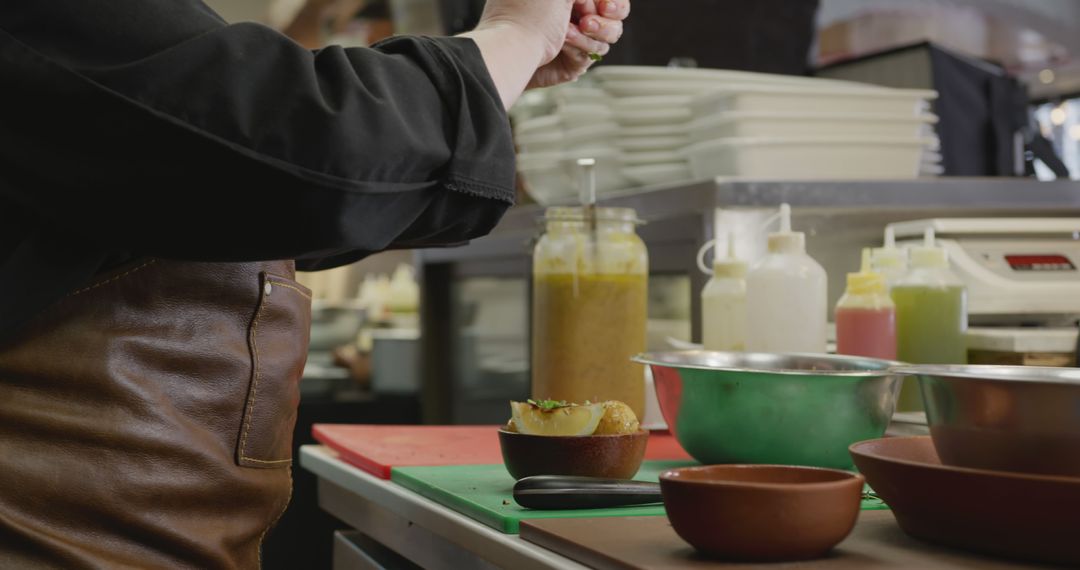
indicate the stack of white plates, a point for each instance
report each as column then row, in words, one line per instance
column 753, row 125
column 553, row 177
column 579, row 123
column 653, row 125
column 931, row 164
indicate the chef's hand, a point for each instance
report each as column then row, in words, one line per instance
column 595, row 26
column 539, row 43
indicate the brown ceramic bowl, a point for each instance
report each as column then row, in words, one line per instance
column 762, row 513
column 607, row 456
column 1029, row 517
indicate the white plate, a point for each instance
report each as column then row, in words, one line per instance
column 631, row 89
column 593, row 135
column 649, row 144
column 573, row 93
column 653, row 174
column 547, row 184
column 651, row 103
column 817, row 158
column 779, row 98
column 610, row 73
column 781, row 124
column 576, row 114
column 654, row 130
column 552, row 177
column 652, row 157
column 653, row 117
column 538, row 125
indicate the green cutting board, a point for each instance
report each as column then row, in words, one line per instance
column 485, row 493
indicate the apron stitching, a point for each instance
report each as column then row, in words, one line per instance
column 255, row 380
column 118, row 277
column 297, row 289
column 288, row 501
column 263, row 460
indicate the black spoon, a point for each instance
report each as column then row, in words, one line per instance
column 549, row 492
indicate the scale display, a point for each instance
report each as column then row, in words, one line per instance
column 1028, row 262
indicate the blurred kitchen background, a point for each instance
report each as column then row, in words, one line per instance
column 372, row 306
column 442, row 336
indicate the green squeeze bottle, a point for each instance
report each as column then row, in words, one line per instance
column 931, row 316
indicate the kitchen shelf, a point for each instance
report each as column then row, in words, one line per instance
column 839, row 218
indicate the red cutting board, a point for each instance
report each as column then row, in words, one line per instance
column 379, row 448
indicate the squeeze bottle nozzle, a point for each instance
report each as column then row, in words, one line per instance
column 730, row 266
column 785, row 218
column 786, row 241
column 866, row 281
column 889, row 260
column 929, row 255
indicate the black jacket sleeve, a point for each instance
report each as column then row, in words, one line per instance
column 152, row 126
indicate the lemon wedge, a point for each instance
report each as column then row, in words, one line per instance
column 618, row 419
column 563, row 421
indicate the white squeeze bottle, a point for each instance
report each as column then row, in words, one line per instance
column 723, row 304
column 786, row 296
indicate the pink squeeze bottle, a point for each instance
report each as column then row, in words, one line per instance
column 866, row 316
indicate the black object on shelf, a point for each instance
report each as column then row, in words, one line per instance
column 985, row 116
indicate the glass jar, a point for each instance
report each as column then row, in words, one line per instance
column 589, row 308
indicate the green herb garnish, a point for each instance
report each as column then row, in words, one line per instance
column 549, row 405
column 596, row 57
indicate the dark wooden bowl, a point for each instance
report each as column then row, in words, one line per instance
column 1016, row 515
column 762, row 513
column 607, row 456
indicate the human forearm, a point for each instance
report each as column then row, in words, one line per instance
column 511, row 54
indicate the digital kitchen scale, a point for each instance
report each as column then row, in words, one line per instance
column 1018, row 271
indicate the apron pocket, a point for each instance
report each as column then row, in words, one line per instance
column 278, row 339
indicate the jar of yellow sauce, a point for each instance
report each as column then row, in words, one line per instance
column 589, row 308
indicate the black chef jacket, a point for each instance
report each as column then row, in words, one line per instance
column 134, row 128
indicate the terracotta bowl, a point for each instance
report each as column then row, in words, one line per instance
column 1017, row 515
column 762, row 513
column 607, row 456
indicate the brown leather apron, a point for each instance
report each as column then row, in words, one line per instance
column 146, row 420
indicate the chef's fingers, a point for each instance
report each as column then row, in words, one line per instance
column 583, row 43
column 585, row 7
column 601, row 29
column 614, row 9
column 578, row 61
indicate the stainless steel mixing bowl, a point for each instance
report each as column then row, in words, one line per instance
column 790, row 409
column 1006, row 418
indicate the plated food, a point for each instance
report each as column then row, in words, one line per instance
column 562, row 438
column 561, row 418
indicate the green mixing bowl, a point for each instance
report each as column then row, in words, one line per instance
column 783, row 409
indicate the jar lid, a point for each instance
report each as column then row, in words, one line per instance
column 577, row 214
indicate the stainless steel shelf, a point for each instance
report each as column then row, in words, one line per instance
column 512, row 236
column 839, row 219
